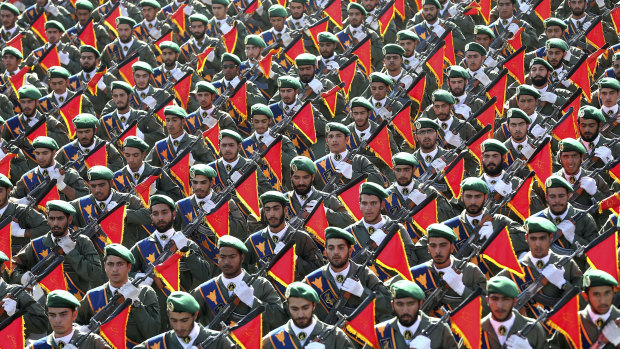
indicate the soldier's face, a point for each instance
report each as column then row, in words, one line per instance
column 277, row 23
column 505, row 8
column 608, row 96
column 426, row 138
column 88, row 61
column 100, row 188
column 616, row 67
column 229, row 261
column 296, row 9
column 260, row 123
column 473, row 201
column 134, row 158
column 198, row 29
column 571, row 161
column 338, row 252
column 369, row 5
column 219, row 11
column 7, row 18
column 58, row 85
column 41, row 3
column 474, row 60
column 327, row 49
column 288, row 95
column 85, row 136
column 500, row 305
column 11, row 62
column 29, row 106
column 82, row 16
column 169, row 57
column 457, row 86
column 201, row 186
column 554, row 32
column 53, row 35
column 61, row 320
column 527, row 104
column 577, row 7
column 44, row 157
column 205, row 99
column 378, row 90
column 518, row 129
column 306, row 73
column 230, row 70
column 442, row 110
column 539, row 244
column 141, row 79
column 162, row 217
column 360, row 117
column 4, row 195
column 182, row 323
column 406, row 310
column 174, row 125
column 58, row 222
column 302, row 181
column 588, row 129
column 337, row 141
column 555, row 56
column 117, row 270
column 274, row 214
column 355, row 17
column 557, row 199
column 370, row 206
column 120, row 99
column 149, row 13
column 301, row 311
column 430, row 13
column 539, row 75
column 492, row 163
column 229, row 149
column 252, row 52
column 599, row 298
column 403, row 174
column 483, row 39
column 439, row 249
column 393, row 62
column 125, row 32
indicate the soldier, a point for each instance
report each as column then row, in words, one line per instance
column 484, row 36
column 206, row 117
column 527, row 100
column 9, row 14
column 501, row 327
column 519, row 142
column 383, row 107
column 12, row 60
column 373, row 11
column 442, row 111
column 465, row 103
column 299, row 20
column 251, row 69
column 68, row 55
column 151, row 28
column 304, row 327
column 81, row 266
column 554, row 29
column 475, row 60
column 540, row 72
column 279, row 32
column 579, row 20
column 233, row 281
column 62, row 310
column 221, row 24
column 192, row 266
column 590, row 120
column 127, row 9
column 409, row 40
column 433, row 27
column 199, row 42
column 266, row 243
column 405, row 329
column 125, row 44
column 171, row 71
column 508, row 22
column 83, row 11
column 143, row 319
column 608, row 92
column 356, row 31
column 58, row 81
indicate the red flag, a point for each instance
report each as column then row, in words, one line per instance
column 317, row 223
column 393, row 257
column 541, row 163
column 450, row 56
column 364, row 56
column 362, row 327
column 16, row 43
column 92, row 83
column 515, row 41
column 330, row 99
column 252, row 7
column 487, row 117
column 515, row 66
column 54, row 280
column 99, row 157
column 126, row 72
column 283, row 271
column 465, row 321
column 180, row 172
column 499, row 90
column 249, row 336
column 249, row 188
column 110, row 21
column 520, row 203
column 88, row 36
column 426, row 216
column 38, row 27
column 581, row 78
column 143, row 190
column 614, row 173
column 160, row 112
column 592, row 60
column 334, row 12
column 304, row 122
column 472, row 9
column 485, row 10
column 615, row 17
column 435, row 64
column 454, row 178
column 113, row 225
column 5, row 244
column 168, row 271
column 350, row 200
column 70, row 110
column 567, row 128
column 273, row 158
column 543, row 10
column 239, row 101
column 202, row 59
column 294, row 50
column 576, row 104
column 178, row 18
column 130, row 131
column 50, row 59
column 5, row 164
column 218, row 220
column 316, row 28
column 385, row 20
column 212, row 136
column 501, row 253
column 476, row 149
column 416, row 93
column 380, row 146
column 114, row 331
column 346, row 75
column 610, row 203
column 603, row 255
column 595, row 36
column 13, row 335
column 568, row 322
column 265, row 63
column 182, row 89
column 402, row 124
column 399, row 7
column 17, row 80
column 41, row 130
column 230, row 40
column 51, row 195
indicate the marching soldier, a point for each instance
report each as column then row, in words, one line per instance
column 126, row 44
column 382, row 106
column 68, row 55
column 433, row 27
column 445, row 115
column 465, row 103
column 526, row 101
column 58, row 82
column 206, row 117
column 150, row 28
column 199, row 42
column 356, row 31
column 250, row 68
column 221, row 24
column 11, row 61
column 519, row 142
column 127, row 9
column 508, row 22
column 590, row 120
column 9, row 14
column 554, row 29
column 539, row 74
column 279, row 31
column 83, row 11
column 608, row 92
column 171, row 71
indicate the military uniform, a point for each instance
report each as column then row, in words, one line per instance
column 31, row 220
column 536, row 338
column 137, row 98
column 92, row 341
column 252, row 144
column 100, row 98
column 116, row 52
column 166, row 150
column 336, row 214
column 285, row 335
column 148, row 128
column 34, row 317
column 101, row 33
column 36, row 176
column 391, row 337
column 114, row 160
column 125, row 181
column 361, row 165
column 170, row 340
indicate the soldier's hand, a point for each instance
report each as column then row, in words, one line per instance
column 53, row 10
column 503, row 188
column 603, row 153
column 420, row 342
column 345, row 169
column 316, row 86
column 279, row 246
column 150, row 102
column 417, row 196
column 245, row 293
column 310, row 205
column 188, row 10
column 517, row 342
column 354, row 287
column 588, row 184
column 549, row 97
column 64, row 57
column 83, row 328
column 129, row 291
column 9, row 305
column 454, row 280
column 611, row 331
column 67, row 244
column 538, row 131
column 487, row 230
column 315, row 345
column 527, row 150
column 26, row 278
column 17, row 231
column 378, row 236
column 463, row 110
column 147, row 282
column 513, row 28
column 454, row 140
column 568, row 230
column 438, row 164
column 60, row 179
column 554, row 275
column 180, row 240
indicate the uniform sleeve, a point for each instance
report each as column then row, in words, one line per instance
column 35, row 318
column 147, row 315
column 85, row 261
column 265, row 294
column 73, row 180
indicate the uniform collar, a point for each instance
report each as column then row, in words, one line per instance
column 192, row 337
column 168, row 234
column 544, row 260
column 506, row 324
column 139, row 172
column 335, row 275
column 431, row 154
column 376, row 226
column 301, row 200
column 413, row 328
column 306, row 330
column 236, row 280
column 594, row 317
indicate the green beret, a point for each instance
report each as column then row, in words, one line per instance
column 261, row 109
column 162, row 199
column 339, row 233
column 457, row 71
column 277, row 11
column 432, row 2
column 9, row 7
column 231, row 241
column 29, row 91
column 439, row 230
column 175, row 110
column 528, row 90
column 85, row 120
column 393, row 49
column 361, row 102
column 305, row 59
column 273, row 196
column 483, row 29
column 381, row 77
column 406, row 289
column 202, row 170
column 550, row 22
column 151, row 3
column 357, row 6
column 60, row 205
column 135, row 142
column 542, row 62
column 3, row 257
column 54, row 25
column 255, row 40
column 609, row 83
column 503, row 286
column 220, row 2
column 302, row 290
column 44, row 142
column 555, row 181
column 571, row 144
column 230, row 57
column 425, row 123
column 407, row 35
column 493, row 145
column 370, row 188
column 287, row 81
column 58, row 72
column 404, row 158
column 125, row 20
column 121, row 251
column 443, row 96
column 539, row 225
column 13, row 52
column 476, row 47
column 84, row 5
column 300, row 1
column 170, row 45
column 182, row 302
column 122, row 85
column 139, row 65
column 302, row 163
column 99, row 172
column 62, row 299
column 616, row 56
column 198, row 17
column 516, row 113
column 594, row 277
column 556, row 43
column 336, row 126
column 589, row 112
column 230, row 134
column 475, row 183
column 205, row 86
column 5, row 182
column 328, row 37
column 88, row 48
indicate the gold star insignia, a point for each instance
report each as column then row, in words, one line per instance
column 175, row 143
column 474, row 222
column 123, row 119
column 340, row 279
column 408, row 335
column 502, row 330
column 231, row 286
column 136, row 176
column 540, row 264
column 275, row 239
column 557, row 220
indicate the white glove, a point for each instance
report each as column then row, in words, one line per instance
column 568, row 230
column 453, row 139
column 486, row 230
column 9, row 305
column 245, row 293
column 180, row 240
column 316, row 86
column 147, row 282
column 70, row 346
column 155, row 33
column 611, row 331
column 60, row 179
column 567, row 56
column 524, row 7
column 517, row 342
column 26, row 278
column 439, row 30
column 566, row 83
column 417, row 196
column 279, row 246
column 315, row 345
column 490, row 62
column 101, row 85
column 378, row 236
column 548, row 97
column 17, row 231
column 83, row 328
column 600, row 3
column 463, row 109
column 332, row 65
column 211, row 56
column 503, row 188
column 310, row 205
column 53, row 10
column 438, row 164
column 178, row 74
column 260, row 10
column 63, row 57
column 150, row 102
column 129, row 291
column 527, row 150
column 22, row 201
column 188, row 10
column 554, row 275
column 604, row 154
column 286, row 39
column 454, row 280
column 538, row 131
column 586, row 25
column 513, row 28
column 354, row 287
column 420, row 341
column 67, row 244
column 588, row 184
column 210, row 122
column 345, row 168
column 453, row 11
column 384, row 113
column 482, row 77
column 374, row 25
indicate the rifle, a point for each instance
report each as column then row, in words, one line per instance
column 578, row 190
column 229, row 92
column 472, row 117
column 549, row 125
column 440, row 176
column 447, row 313
column 207, row 343
column 255, row 72
column 591, row 160
column 474, row 82
column 374, row 18
column 501, row 41
column 544, row 314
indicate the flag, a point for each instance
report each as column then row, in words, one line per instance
column 249, row 189
column 316, row 28
column 5, row 164
column 168, row 271
column 282, row 272
column 16, row 42
column 501, row 253
column 475, row 147
column 126, row 72
column 333, row 11
column 520, row 203
column 402, row 124
column 182, row 89
column 13, row 335
column 487, row 115
column 230, row 40
column 380, row 145
column 454, row 177
column 614, row 172
column 265, row 63
column 97, row 157
column 465, row 321
column 218, row 220
column 515, row 41
column 87, row 36
column 49, row 58
column 38, row 27
column 55, row 280
column 249, row 335
column 485, row 10
column 615, row 18
column 145, row 189
column 5, row 244
column 515, row 65
column 363, row 53
column 543, row 10
column 350, row 200
column 472, row 9
column 385, row 19
column 602, row 253
column 201, row 59
column 212, row 137
column 426, row 216
column 317, row 223
column 499, row 90
column 253, row 6
column 114, row 331
column 110, row 21
column 592, row 60
column 17, row 80
column 38, row 129
column 178, row 18
column 157, row 50
column 113, row 224
column 435, row 63
column 450, row 56
column 595, row 36
column 610, row 203
column 92, row 83
column 416, row 93
column 330, row 99
column 567, row 127
column 581, row 78
column 294, row 49
column 51, row 195
column 273, row 158
column 304, row 122
column 69, row 111
column 541, row 162
column 160, row 111
column 346, row 75
column 361, row 328
column 180, row 171
column 394, row 257
column 567, row 321
column 239, row 101
column 575, row 103
column 399, row 7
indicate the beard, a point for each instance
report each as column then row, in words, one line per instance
column 539, row 81
column 495, row 171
